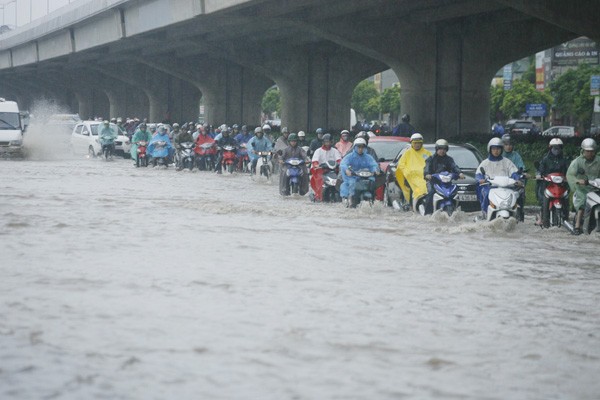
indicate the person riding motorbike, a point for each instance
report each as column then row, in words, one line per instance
column 583, row 169
column 268, row 132
column 182, row 137
column 316, row 142
column 409, row 173
column 176, row 131
column 107, row 135
column 344, row 145
column 404, row 128
column 514, row 156
column 302, row 140
column 225, row 140
column 140, row 135
column 356, row 160
column 494, row 165
column 292, row 151
column 553, row 161
column 257, row 144
column 280, row 144
column 161, row 136
column 322, row 155
column 440, row 161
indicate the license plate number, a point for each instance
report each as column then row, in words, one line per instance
column 467, row 197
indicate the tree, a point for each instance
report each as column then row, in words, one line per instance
column 496, row 98
column 271, row 101
column 365, row 100
column 390, row 102
column 522, row 92
column 571, row 93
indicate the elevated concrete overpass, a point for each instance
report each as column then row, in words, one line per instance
column 158, row 58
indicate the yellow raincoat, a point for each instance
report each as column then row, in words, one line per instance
column 409, row 173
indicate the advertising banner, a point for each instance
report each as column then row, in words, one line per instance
column 575, row 52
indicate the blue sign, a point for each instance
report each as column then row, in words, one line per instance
column 595, row 85
column 536, row 110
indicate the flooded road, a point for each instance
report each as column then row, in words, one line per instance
column 126, row 283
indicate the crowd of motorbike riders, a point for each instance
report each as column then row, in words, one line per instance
column 348, row 169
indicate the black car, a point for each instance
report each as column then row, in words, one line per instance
column 467, row 158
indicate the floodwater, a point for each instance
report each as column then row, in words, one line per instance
column 125, row 283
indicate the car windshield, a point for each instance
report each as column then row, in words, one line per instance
column 464, row 158
column 113, row 126
column 387, row 149
column 9, row 120
column 521, row 125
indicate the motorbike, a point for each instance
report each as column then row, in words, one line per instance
column 330, row 190
column 186, row 155
column 229, row 158
column 142, row 160
column 503, row 197
column 243, row 159
column 555, row 204
column 592, row 208
column 445, row 195
column 294, row 174
column 205, row 156
column 160, row 153
column 108, row 146
column 264, row 165
column 364, row 189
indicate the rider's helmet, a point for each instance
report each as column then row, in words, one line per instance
column 226, row 131
column 105, row 122
column 345, row 134
column 556, row 142
column 494, row 142
column 301, row 135
column 119, row 120
column 360, row 142
column 327, row 138
column 363, row 134
column 266, row 127
column 416, row 137
column 162, row 128
column 284, row 130
column 142, row 125
column 506, row 139
column 198, row 126
column 589, row 144
column 258, row 130
column 175, row 125
column 113, row 120
column 244, row 128
column 441, row 144
column 293, row 137
column 406, row 118
column 319, row 131
column 235, row 126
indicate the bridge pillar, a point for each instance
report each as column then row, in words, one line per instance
column 230, row 93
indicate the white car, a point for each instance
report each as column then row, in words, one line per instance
column 560, row 131
column 84, row 139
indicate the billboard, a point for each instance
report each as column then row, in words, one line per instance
column 507, row 75
column 539, row 71
column 575, row 52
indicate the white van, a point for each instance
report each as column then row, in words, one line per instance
column 11, row 133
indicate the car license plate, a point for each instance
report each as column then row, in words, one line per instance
column 467, row 197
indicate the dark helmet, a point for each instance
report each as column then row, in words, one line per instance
column 244, row 128
column 292, row 137
column 506, row 139
column 326, row 138
column 319, row 131
column 406, row 118
column 364, row 135
column 142, row 125
column 235, row 126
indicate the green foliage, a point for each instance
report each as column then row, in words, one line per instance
column 390, row 101
column 271, row 101
column 529, row 75
column 496, row 98
column 522, row 92
column 571, row 93
column 365, row 100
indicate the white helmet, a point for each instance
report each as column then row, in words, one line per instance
column 556, row 142
column 258, row 129
column 494, row 142
column 589, row 144
column 441, row 144
column 360, row 141
column 416, row 137
column 266, row 127
column 301, row 134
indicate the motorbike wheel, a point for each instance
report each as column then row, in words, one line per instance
column 294, row 188
column 190, row 165
column 145, row 161
column 557, row 217
column 545, row 213
column 245, row 166
column 91, row 152
column 386, row 197
column 138, row 162
column 230, row 168
column 450, row 210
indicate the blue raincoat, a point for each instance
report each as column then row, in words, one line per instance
column 160, row 152
column 258, row 144
column 357, row 162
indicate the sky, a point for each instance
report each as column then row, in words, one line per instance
column 20, row 12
